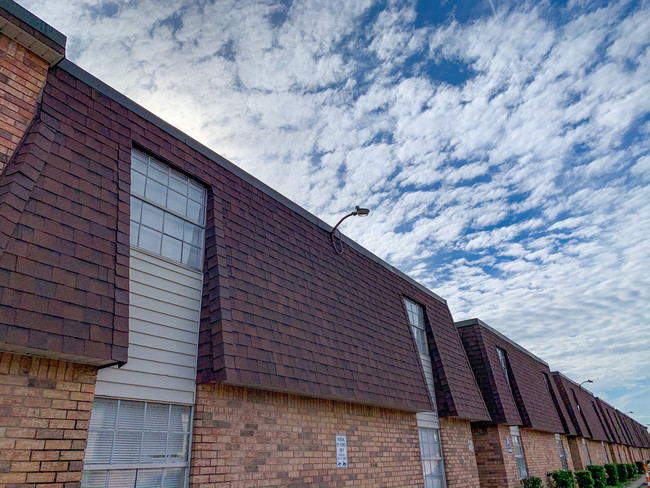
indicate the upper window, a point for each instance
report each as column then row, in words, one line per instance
column 504, row 364
column 137, row 444
column 167, row 211
column 416, row 318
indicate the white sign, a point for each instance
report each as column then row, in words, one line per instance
column 341, row 451
column 470, row 445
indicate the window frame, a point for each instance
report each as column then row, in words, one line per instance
column 108, row 467
column 193, row 244
column 520, row 459
column 560, row 448
column 584, row 444
column 418, row 330
column 433, row 448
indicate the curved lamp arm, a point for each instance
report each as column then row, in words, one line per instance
column 358, row 211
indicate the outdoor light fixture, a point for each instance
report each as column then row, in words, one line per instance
column 627, row 413
column 358, row 212
column 586, row 381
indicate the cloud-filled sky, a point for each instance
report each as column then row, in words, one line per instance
column 503, row 147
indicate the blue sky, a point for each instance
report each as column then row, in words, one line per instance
column 502, row 147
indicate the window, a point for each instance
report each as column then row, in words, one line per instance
column 167, row 211
column 584, row 444
column 431, row 452
column 504, row 364
column 560, row 450
column 416, row 318
column 519, row 456
column 137, row 444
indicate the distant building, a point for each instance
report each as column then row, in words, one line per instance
column 168, row 320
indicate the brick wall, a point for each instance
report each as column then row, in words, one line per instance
column 44, row 414
column 578, row 455
column 22, row 75
column 253, row 438
column 497, row 468
column 460, row 463
column 567, row 452
column 541, row 453
column 596, row 452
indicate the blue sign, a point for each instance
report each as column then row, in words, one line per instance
column 509, row 445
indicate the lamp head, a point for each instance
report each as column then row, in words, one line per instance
column 361, row 212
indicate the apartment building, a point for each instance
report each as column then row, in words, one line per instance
column 168, row 320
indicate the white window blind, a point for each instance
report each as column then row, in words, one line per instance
column 137, row 444
column 431, row 452
column 167, row 211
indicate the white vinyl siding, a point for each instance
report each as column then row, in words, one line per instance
column 163, row 333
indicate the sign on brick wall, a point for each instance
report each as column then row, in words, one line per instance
column 341, row 451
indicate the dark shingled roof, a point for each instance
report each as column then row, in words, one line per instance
column 530, row 403
column 586, row 419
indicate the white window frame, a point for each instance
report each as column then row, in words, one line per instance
column 415, row 314
column 560, row 449
column 190, row 242
column 584, row 444
column 431, row 454
column 503, row 359
column 135, row 468
column 518, row 451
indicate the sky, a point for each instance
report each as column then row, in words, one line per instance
column 502, row 147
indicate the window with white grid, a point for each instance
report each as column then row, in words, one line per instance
column 416, row 318
column 167, row 211
column 560, row 450
column 137, row 445
column 504, row 364
column 519, row 457
column 431, row 452
column 584, row 444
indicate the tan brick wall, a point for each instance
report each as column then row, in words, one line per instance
column 252, row 438
column 541, row 453
column 460, row 462
column 22, row 75
column 497, row 468
column 578, row 454
column 596, row 452
column 44, row 414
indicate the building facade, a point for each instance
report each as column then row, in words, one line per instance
column 168, row 320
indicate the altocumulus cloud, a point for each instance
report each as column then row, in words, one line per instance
column 504, row 155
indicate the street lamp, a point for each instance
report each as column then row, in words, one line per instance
column 357, row 212
column 585, row 381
